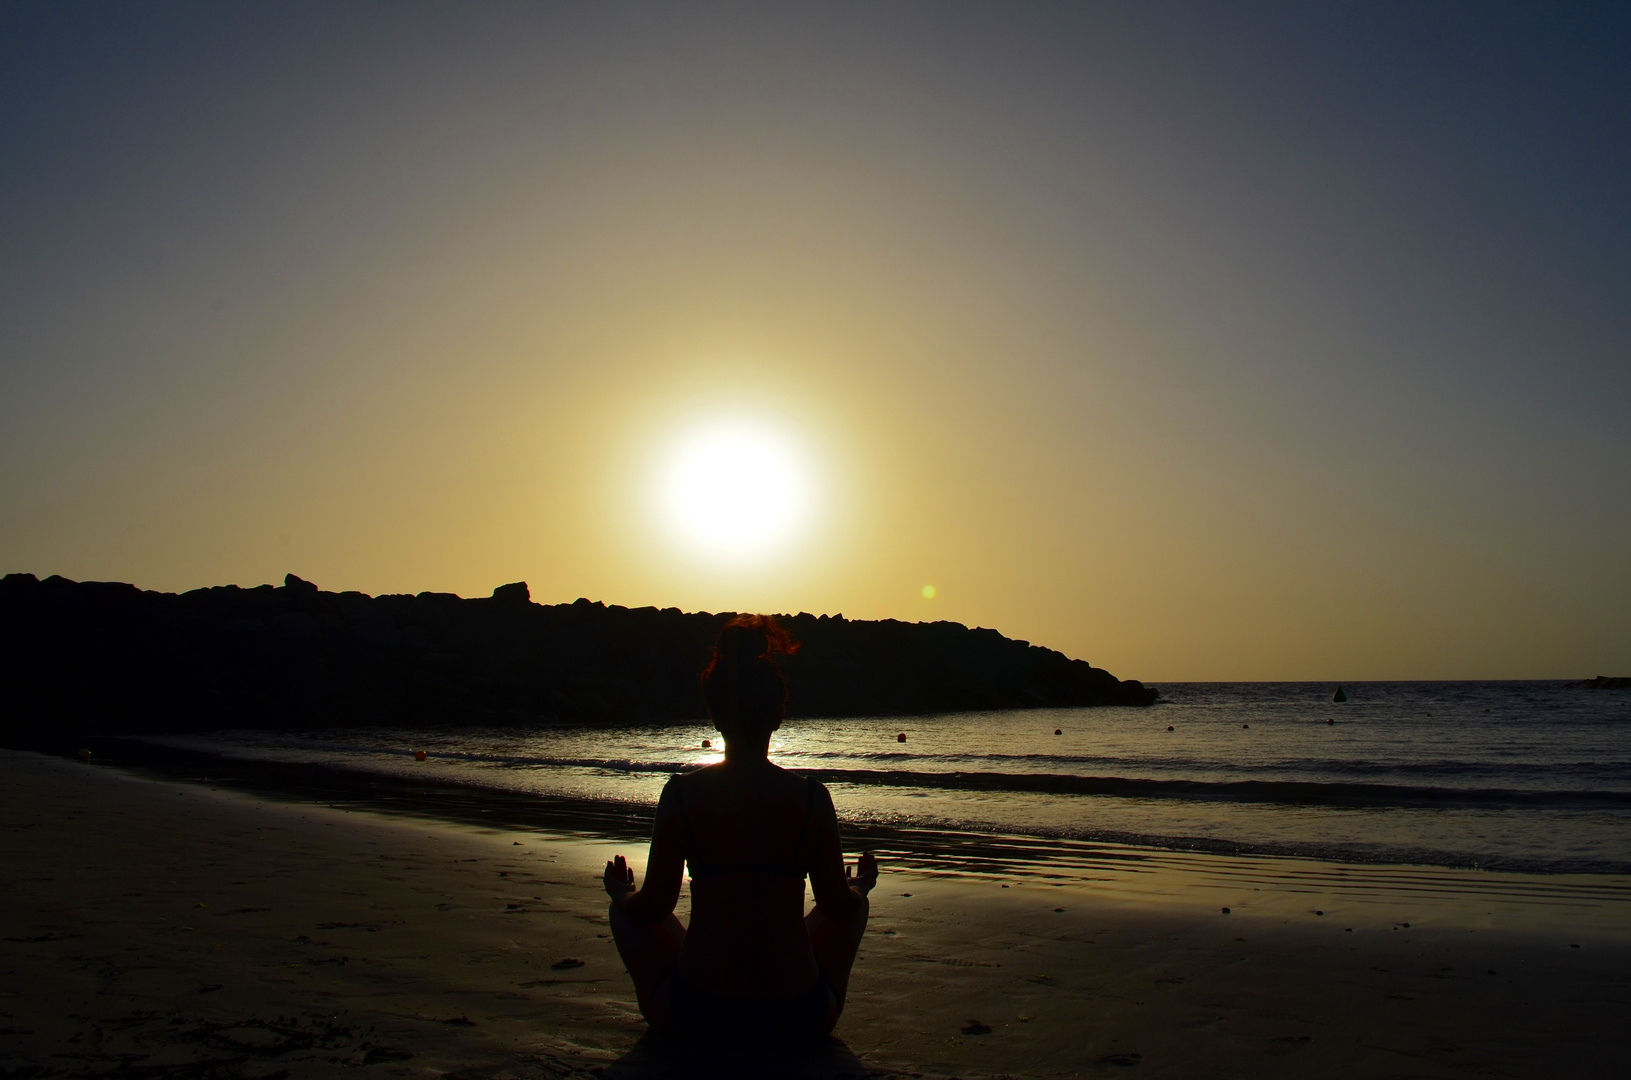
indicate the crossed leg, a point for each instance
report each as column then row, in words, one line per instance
column 649, row 951
column 835, row 943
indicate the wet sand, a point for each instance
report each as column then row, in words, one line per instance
column 162, row 929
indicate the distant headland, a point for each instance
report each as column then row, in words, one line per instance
column 108, row 658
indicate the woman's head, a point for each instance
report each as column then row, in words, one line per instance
column 742, row 683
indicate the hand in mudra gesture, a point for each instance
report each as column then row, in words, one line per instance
column 619, row 878
column 863, row 875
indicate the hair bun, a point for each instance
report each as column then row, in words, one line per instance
column 742, row 684
column 752, row 637
column 739, row 644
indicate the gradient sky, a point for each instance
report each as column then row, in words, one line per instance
column 1201, row 342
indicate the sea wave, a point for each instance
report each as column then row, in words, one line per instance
column 1276, row 791
column 1551, row 831
column 1292, row 792
column 1448, row 768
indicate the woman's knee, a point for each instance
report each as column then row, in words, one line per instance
column 856, row 924
column 856, row 915
column 617, row 922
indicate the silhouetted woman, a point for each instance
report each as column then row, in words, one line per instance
column 751, row 963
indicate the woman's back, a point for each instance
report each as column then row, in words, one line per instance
column 749, row 830
column 751, row 962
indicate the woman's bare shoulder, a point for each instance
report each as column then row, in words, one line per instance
column 699, row 781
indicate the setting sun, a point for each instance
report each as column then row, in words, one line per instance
column 734, row 489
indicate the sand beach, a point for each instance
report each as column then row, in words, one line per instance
column 155, row 928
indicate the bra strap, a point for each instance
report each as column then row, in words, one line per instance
column 809, row 808
column 685, row 820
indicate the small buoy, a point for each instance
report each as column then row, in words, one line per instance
column 1328, row 720
column 1318, row 912
column 85, row 756
column 419, row 755
column 1226, row 911
column 707, row 744
column 1244, row 726
column 1340, row 695
column 1169, row 727
column 1056, row 731
column 901, row 737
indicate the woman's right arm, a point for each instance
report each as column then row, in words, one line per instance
column 665, row 864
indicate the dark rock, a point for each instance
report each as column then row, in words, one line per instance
column 298, row 585
column 108, row 658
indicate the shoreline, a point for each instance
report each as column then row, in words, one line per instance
column 186, row 925
column 922, row 846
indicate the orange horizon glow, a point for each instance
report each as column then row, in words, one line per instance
column 1052, row 321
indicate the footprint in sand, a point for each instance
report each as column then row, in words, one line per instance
column 1126, row 1061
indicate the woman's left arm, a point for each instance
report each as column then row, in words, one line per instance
column 665, row 863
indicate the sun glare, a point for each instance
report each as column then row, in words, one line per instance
column 735, row 490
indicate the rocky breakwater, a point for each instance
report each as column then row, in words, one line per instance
column 108, row 658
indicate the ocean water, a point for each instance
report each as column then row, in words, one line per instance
column 1516, row 776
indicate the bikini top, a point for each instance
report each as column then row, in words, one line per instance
column 701, row 869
